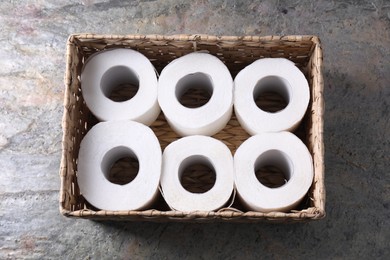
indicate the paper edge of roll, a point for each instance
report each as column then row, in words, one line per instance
column 284, row 208
column 205, row 129
column 167, row 177
column 247, row 125
column 99, row 129
column 149, row 115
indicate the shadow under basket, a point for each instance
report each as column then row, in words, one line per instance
column 236, row 53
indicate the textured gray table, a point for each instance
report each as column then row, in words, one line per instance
column 356, row 42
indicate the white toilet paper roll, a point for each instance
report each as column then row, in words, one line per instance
column 107, row 70
column 201, row 70
column 270, row 74
column 103, row 145
column 192, row 150
column 283, row 150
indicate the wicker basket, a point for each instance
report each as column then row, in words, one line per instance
column 236, row 53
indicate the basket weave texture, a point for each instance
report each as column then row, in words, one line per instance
column 236, row 53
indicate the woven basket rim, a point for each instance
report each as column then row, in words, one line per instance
column 194, row 37
column 308, row 213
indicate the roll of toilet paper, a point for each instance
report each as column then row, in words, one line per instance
column 111, row 69
column 190, row 151
column 196, row 70
column 275, row 75
column 283, row 150
column 106, row 143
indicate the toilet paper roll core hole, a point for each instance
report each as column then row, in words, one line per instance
column 120, row 165
column 273, row 168
column 197, row 174
column 194, row 90
column 119, row 83
column 272, row 94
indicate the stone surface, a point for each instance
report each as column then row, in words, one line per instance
column 356, row 42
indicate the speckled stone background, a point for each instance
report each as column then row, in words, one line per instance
column 356, row 41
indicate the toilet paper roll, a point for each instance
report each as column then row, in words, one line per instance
column 103, row 145
column 192, row 70
column 194, row 150
column 270, row 74
column 107, row 70
column 283, row 150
